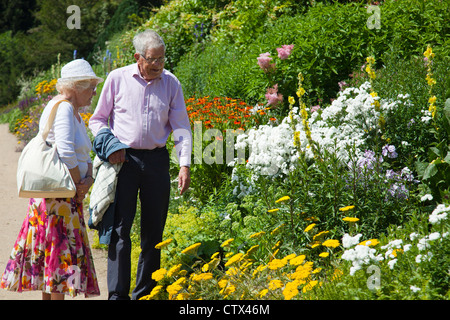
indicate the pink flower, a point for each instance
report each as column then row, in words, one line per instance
column 285, row 51
column 264, row 62
column 315, row 108
column 273, row 97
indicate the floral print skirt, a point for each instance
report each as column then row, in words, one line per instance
column 52, row 252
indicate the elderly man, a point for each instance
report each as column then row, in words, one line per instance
column 142, row 104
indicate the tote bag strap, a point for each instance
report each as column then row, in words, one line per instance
column 51, row 119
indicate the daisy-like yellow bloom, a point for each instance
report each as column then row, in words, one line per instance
column 236, row 258
column 275, row 284
column 346, row 208
column 283, row 199
column 331, row 243
column 163, row 244
column 310, row 227
column 276, row 264
column 350, row 219
column 324, row 254
column 159, row 274
column 273, row 210
column 227, row 242
column 192, row 249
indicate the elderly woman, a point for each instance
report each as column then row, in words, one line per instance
column 52, row 251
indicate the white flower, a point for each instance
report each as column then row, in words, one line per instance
column 426, row 197
column 392, row 263
column 414, row 289
column 349, row 241
column 413, row 236
column 439, row 214
column 434, row 236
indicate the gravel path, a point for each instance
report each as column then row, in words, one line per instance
column 12, row 212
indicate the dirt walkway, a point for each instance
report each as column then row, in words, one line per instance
column 12, row 213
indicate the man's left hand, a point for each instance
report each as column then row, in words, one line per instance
column 184, row 179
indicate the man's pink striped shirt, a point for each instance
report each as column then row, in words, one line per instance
column 142, row 114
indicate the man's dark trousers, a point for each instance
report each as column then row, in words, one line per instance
column 146, row 172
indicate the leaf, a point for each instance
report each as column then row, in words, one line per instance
column 430, row 171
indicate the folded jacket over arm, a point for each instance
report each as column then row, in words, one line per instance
column 101, row 206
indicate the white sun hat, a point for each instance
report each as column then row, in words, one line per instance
column 77, row 70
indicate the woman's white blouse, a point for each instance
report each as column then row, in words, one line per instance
column 69, row 134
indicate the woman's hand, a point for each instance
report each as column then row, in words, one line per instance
column 83, row 188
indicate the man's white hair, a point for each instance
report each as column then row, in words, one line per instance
column 146, row 40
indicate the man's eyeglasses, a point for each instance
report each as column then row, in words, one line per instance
column 153, row 60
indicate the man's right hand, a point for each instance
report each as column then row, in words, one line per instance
column 117, row 157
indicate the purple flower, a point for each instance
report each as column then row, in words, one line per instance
column 389, row 150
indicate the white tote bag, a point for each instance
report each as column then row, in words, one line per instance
column 40, row 172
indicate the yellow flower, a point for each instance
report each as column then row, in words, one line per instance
column 310, row 227
column 297, row 142
column 252, row 249
column 310, row 285
column 276, row 230
column 174, row 270
column 291, row 290
column 202, row 276
column 275, row 284
column 291, row 100
column 226, row 242
column 236, row 258
column 373, row 242
column 290, row 257
column 192, row 249
column 276, row 264
column 350, row 219
column 331, row 243
column 432, row 100
column 324, row 254
column 429, row 53
column 228, row 290
column 370, row 60
column 152, row 294
column 263, row 293
column 346, row 208
column 163, row 244
column 320, row 234
column 273, row 210
column 300, row 92
column 297, row 260
column 257, row 235
column 282, row 199
column 159, row 274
